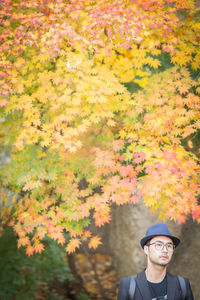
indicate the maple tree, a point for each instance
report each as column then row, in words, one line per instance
column 99, row 105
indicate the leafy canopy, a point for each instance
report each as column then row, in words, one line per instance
column 99, row 105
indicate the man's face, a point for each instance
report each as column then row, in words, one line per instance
column 157, row 253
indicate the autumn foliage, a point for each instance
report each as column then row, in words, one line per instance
column 99, row 105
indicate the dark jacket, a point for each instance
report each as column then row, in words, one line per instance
column 142, row 291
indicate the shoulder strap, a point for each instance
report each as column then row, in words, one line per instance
column 132, row 287
column 183, row 286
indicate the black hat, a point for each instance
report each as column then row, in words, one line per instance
column 158, row 229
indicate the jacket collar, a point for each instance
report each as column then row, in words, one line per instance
column 144, row 288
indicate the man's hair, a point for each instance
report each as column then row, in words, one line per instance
column 147, row 242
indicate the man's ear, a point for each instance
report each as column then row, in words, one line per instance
column 146, row 249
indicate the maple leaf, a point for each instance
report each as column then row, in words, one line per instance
column 196, row 213
column 41, row 234
column 23, row 241
column 73, row 244
column 126, row 170
column 29, row 250
column 61, row 239
column 181, row 218
column 94, row 242
column 19, row 62
column 21, row 217
column 117, row 145
column 39, row 247
column 139, row 157
column 101, row 218
column 3, row 102
column 86, row 235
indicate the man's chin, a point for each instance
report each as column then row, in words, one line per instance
column 164, row 262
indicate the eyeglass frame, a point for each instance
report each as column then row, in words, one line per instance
column 163, row 245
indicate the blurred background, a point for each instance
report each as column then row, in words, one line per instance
column 88, row 274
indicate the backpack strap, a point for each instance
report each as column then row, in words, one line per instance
column 132, row 287
column 183, row 286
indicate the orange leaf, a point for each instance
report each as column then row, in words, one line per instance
column 29, row 250
column 61, row 239
column 39, row 247
column 86, row 235
column 73, row 244
column 3, row 102
column 94, row 242
column 19, row 62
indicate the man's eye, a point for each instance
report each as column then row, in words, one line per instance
column 159, row 244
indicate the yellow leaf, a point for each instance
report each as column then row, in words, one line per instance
column 19, row 62
column 111, row 123
column 166, row 140
column 122, row 134
column 94, row 242
column 149, row 201
column 141, row 73
column 73, row 244
column 142, row 82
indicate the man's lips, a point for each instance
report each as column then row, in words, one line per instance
column 164, row 257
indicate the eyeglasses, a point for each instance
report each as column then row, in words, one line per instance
column 160, row 246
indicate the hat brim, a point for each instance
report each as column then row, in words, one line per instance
column 175, row 240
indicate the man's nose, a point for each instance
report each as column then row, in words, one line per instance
column 165, row 248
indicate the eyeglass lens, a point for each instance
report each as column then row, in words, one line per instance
column 160, row 246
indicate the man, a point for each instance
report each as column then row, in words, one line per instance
column 155, row 283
